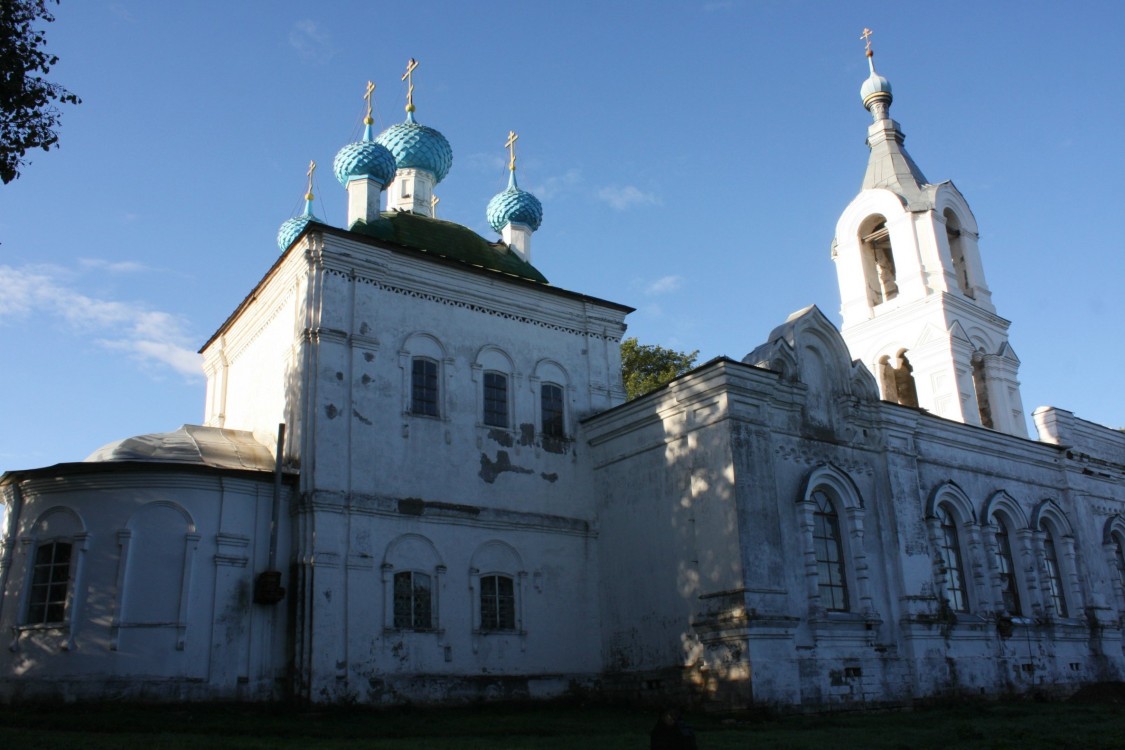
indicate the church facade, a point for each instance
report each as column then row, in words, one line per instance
column 459, row 504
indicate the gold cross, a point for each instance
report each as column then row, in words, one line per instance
column 434, row 200
column 866, row 37
column 409, row 78
column 510, row 144
column 367, row 95
column 309, row 192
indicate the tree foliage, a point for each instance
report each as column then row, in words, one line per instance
column 29, row 117
column 646, row 367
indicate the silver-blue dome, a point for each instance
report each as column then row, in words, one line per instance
column 514, row 206
column 364, row 159
column 417, row 146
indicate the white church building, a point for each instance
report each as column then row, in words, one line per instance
column 459, row 503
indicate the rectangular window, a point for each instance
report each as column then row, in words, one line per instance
column 551, row 402
column 831, row 581
column 49, row 583
column 1054, row 577
column 497, row 603
column 424, row 387
column 1009, row 588
column 496, row 399
column 412, row 601
column 951, row 562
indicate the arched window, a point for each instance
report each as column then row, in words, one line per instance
column 980, row 385
column 412, row 575
column 1052, row 574
column 494, row 375
column 553, row 413
column 1119, row 558
column 953, row 567
column 496, row 579
column 53, row 587
column 1006, row 569
column 831, row 578
column 957, row 252
column 878, row 260
column 424, row 364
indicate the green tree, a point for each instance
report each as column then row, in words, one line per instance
column 29, row 116
column 646, row 367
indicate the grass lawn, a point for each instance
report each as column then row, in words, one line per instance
column 1018, row 725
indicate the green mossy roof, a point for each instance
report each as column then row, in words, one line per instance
column 447, row 240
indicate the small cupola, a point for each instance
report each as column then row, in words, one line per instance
column 422, row 157
column 292, row 228
column 515, row 213
column 364, row 168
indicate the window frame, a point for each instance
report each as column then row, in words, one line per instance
column 409, row 620
column 492, row 396
column 427, row 393
column 1005, row 563
column 1053, row 575
column 491, row 604
column 34, row 586
column 828, row 549
column 952, row 560
column 555, row 426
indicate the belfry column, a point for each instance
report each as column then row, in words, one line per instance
column 912, row 286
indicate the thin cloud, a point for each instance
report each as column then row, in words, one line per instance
column 557, row 185
column 482, row 162
column 99, row 264
column 150, row 337
column 624, row 198
column 664, row 285
column 310, row 42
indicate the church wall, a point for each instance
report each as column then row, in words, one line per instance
column 159, row 602
column 371, row 470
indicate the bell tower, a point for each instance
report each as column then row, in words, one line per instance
column 915, row 306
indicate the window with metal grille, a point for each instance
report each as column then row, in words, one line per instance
column 413, row 601
column 50, row 581
column 1006, row 569
column 952, row 566
column 496, row 399
column 551, row 402
column 1054, row 577
column 831, row 578
column 497, row 603
column 424, row 387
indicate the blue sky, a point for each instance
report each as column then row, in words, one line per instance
column 692, row 159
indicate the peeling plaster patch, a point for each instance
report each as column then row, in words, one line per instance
column 360, row 417
column 340, row 376
column 368, row 356
column 501, row 436
column 365, row 379
column 527, row 434
column 489, row 470
column 552, row 477
column 331, row 411
column 555, row 444
column 364, row 328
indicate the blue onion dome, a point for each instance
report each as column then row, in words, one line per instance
column 291, row 228
column 514, row 206
column 364, row 159
column 875, row 86
column 418, row 146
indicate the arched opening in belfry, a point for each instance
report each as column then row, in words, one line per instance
column 878, row 260
column 896, row 379
column 980, row 385
column 953, row 233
